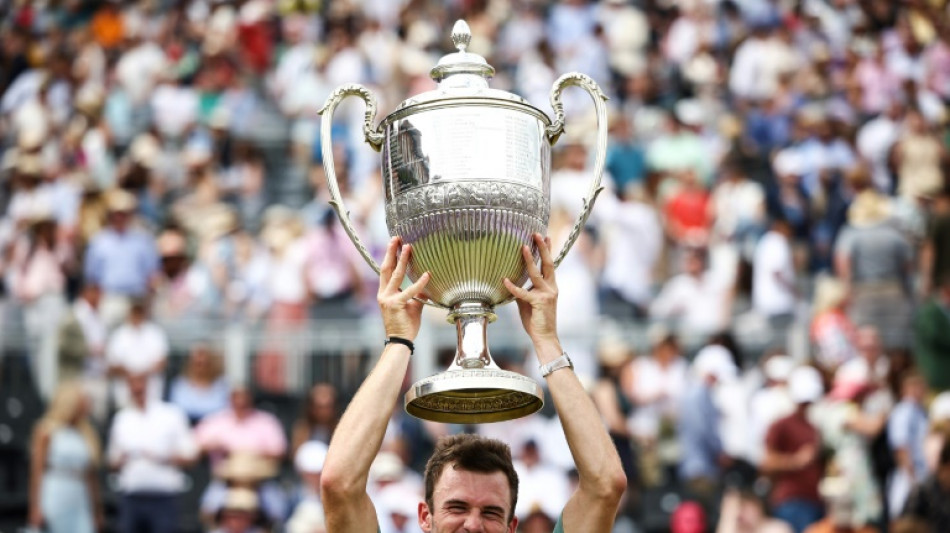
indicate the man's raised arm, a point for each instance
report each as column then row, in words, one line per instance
column 359, row 434
column 593, row 506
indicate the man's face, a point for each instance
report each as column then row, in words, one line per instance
column 469, row 502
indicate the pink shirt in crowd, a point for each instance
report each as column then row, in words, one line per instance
column 258, row 432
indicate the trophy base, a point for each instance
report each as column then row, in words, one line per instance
column 474, row 396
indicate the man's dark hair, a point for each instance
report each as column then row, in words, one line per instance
column 474, row 454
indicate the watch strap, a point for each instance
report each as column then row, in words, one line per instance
column 561, row 362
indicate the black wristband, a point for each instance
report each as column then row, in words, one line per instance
column 405, row 342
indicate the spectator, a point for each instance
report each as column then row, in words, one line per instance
column 930, row 499
column 139, row 347
column 613, row 402
column 935, row 250
column 332, row 270
column 697, row 298
column 918, row 156
column 65, row 455
column 239, row 514
column 701, row 451
column 539, row 484
column 149, row 444
column 833, row 334
column 629, row 270
column 242, row 428
column 121, row 259
column 737, row 209
column 308, row 462
column 37, row 278
column 907, row 429
column 201, row 389
column 625, row 157
column 774, row 284
column 282, row 234
column 656, row 383
column 245, row 471
column 183, row 290
column 932, row 338
column 792, row 455
column 769, row 404
column 874, row 259
column 744, row 512
column 319, row 417
column 848, row 431
column 841, row 515
column 82, row 337
column 686, row 210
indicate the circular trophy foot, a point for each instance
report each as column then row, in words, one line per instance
column 474, row 396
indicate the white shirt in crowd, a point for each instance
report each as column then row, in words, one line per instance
column 699, row 303
column 737, row 203
column 146, row 441
column 287, row 283
column 773, row 276
column 94, row 329
column 874, row 142
column 633, row 240
column 138, row 350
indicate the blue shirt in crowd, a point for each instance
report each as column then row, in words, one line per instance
column 121, row 263
column 907, row 428
column 698, row 431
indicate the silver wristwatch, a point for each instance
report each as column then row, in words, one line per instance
column 561, row 362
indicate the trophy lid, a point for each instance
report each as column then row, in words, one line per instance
column 462, row 68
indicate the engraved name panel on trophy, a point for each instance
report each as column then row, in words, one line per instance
column 465, row 143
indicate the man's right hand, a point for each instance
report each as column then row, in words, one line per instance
column 401, row 311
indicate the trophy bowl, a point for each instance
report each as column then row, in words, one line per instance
column 466, row 172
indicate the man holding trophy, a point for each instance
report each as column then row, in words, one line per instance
column 467, row 185
column 470, row 481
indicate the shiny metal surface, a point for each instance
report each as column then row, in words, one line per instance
column 466, row 171
column 474, row 396
column 467, row 186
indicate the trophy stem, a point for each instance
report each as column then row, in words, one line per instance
column 471, row 325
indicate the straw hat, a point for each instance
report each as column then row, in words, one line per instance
column 614, row 352
column 245, row 466
column 145, row 150
column 830, row 293
column 241, row 499
column 940, row 407
column 29, row 165
column 217, row 221
column 869, row 208
column 120, row 201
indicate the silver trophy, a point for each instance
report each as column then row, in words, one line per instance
column 467, row 173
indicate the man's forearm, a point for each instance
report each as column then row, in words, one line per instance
column 601, row 478
column 360, row 432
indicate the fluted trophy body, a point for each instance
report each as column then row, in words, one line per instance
column 466, row 172
column 467, row 186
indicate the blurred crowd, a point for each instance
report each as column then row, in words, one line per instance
column 774, row 166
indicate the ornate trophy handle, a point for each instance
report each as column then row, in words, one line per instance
column 555, row 130
column 372, row 136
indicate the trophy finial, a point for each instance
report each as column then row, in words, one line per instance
column 461, row 35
